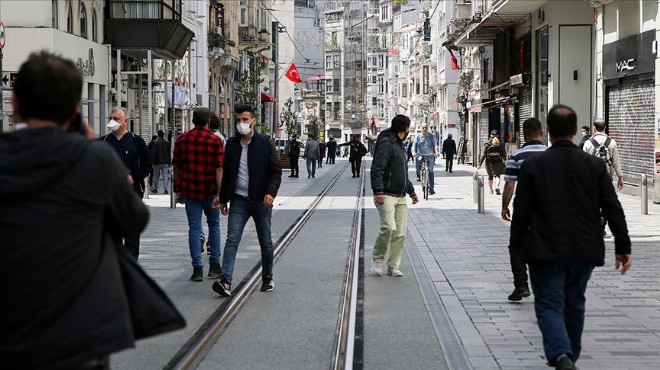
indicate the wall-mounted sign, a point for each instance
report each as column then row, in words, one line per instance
column 87, row 67
column 629, row 56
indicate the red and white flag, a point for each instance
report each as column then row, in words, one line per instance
column 454, row 61
column 292, row 74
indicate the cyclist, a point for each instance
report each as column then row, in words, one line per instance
column 425, row 143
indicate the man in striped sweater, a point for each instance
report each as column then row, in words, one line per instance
column 533, row 133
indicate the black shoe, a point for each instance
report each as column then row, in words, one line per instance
column 296, row 176
column 154, row 191
column 431, row 191
column 353, row 175
column 309, row 176
column 358, row 175
column 222, row 287
column 497, row 191
column 214, row 271
column 564, row 363
column 198, row 274
column 313, row 176
column 450, row 171
column 292, row 176
column 267, row 283
column 518, row 294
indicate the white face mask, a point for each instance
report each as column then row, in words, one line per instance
column 113, row 125
column 243, row 128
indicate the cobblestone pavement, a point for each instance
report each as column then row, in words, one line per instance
column 466, row 256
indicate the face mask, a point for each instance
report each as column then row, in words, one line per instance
column 113, row 125
column 243, row 128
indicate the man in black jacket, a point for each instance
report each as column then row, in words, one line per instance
column 162, row 158
column 251, row 179
column 357, row 151
column 390, row 184
column 331, row 147
column 556, row 221
column 294, row 156
column 448, row 151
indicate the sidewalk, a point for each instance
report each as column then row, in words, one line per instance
column 466, row 256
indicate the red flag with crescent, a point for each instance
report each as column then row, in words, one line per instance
column 292, row 74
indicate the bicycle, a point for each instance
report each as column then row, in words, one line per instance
column 424, row 174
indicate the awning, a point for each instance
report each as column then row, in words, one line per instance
column 315, row 78
column 267, row 97
column 503, row 14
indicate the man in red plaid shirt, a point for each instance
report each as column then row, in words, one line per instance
column 197, row 162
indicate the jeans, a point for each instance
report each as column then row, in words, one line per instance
column 393, row 217
column 559, row 302
column 311, row 167
column 429, row 163
column 240, row 210
column 194, row 210
column 164, row 169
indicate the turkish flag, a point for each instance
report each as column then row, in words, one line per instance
column 454, row 61
column 292, row 74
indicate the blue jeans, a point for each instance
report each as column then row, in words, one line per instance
column 559, row 301
column 240, row 210
column 429, row 162
column 164, row 169
column 194, row 210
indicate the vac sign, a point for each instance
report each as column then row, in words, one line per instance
column 625, row 65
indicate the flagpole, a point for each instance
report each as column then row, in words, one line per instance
column 274, row 30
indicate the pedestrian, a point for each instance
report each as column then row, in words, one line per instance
column 214, row 125
column 409, row 155
column 533, row 133
column 294, row 156
column 603, row 146
column 585, row 136
column 64, row 200
column 562, row 248
column 356, row 150
column 493, row 155
column 152, row 153
column 321, row 152
column 133, row 151
column 390, row 184
column 425, row 143
column 252, row 177
column 331, row 147
column 162, row 159
column 448, row 151
column 312, row 153
column 198, row 168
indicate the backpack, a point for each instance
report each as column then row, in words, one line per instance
column 602, row 151
column 493, row 155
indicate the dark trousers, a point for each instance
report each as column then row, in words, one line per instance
column 320, row 162
column 330, row 159
column 293, row 161
column 518, row 268
column 449, row 163
column 355, row 166
column 132, row 242
column 559, row 302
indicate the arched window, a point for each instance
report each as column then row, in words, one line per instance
column 83, row 20
column 54, row 15
column 69, row 19
column 95, row 30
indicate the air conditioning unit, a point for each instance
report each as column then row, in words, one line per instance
column 463, row 11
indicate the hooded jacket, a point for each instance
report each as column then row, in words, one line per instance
column 61, row 293
column 389, row 168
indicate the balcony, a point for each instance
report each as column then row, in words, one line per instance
column 139, row 25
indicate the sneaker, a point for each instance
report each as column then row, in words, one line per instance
column 214, row 271
column 431, row 191
column 497, row 191
column 222, row 287
column 564, row 363
column 154, row 191
column 518, row 294
column 198, row 274
column 394, row 272
column 165, row 192
column 377, row 268
column 267, row 283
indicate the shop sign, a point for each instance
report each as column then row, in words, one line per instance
column 630, row 56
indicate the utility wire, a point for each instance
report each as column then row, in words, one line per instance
column 422, row 34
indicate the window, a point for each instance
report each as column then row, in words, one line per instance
column 328, row 61
column 328, row 85
column 374, row 101
column 373, row 79
column 333, row 37
column 243, row 13
column 69, row 19
column 381, row 64
column 404, row 90
column 83, row 20
column 95, row 30
column 337, row 85
column 425, row 79
column 336, row 61
column 54, row 19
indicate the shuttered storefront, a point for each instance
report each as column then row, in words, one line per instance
column 524, row 111
column 630, row 114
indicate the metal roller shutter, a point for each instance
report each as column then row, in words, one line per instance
column 630, row 111
column 524, row 110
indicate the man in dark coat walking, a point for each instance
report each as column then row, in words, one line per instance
column 356, row 152
column 556, row 222
column 448, row 151
column 331, row 147
column 294, row 156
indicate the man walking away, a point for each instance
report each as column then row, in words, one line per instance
column 585, row 136
column 357, row 150
column 151, row 147
column 198, row 161
column 214, row 125
column 252, row 177
column 448, row 151
column 133, row 151
column 605, row 147
column 294, row 155
column 390, row 184
column 425, row 143
column 331, row 147
column 312, row 153
column 562, row 248
column 533, row 132
column 321, row 152
column 162, row 160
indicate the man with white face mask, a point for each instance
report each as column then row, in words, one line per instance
column 252, row 177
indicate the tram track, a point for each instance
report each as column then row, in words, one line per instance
column 344, row 354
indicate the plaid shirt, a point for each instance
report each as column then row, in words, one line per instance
column 197, row 154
